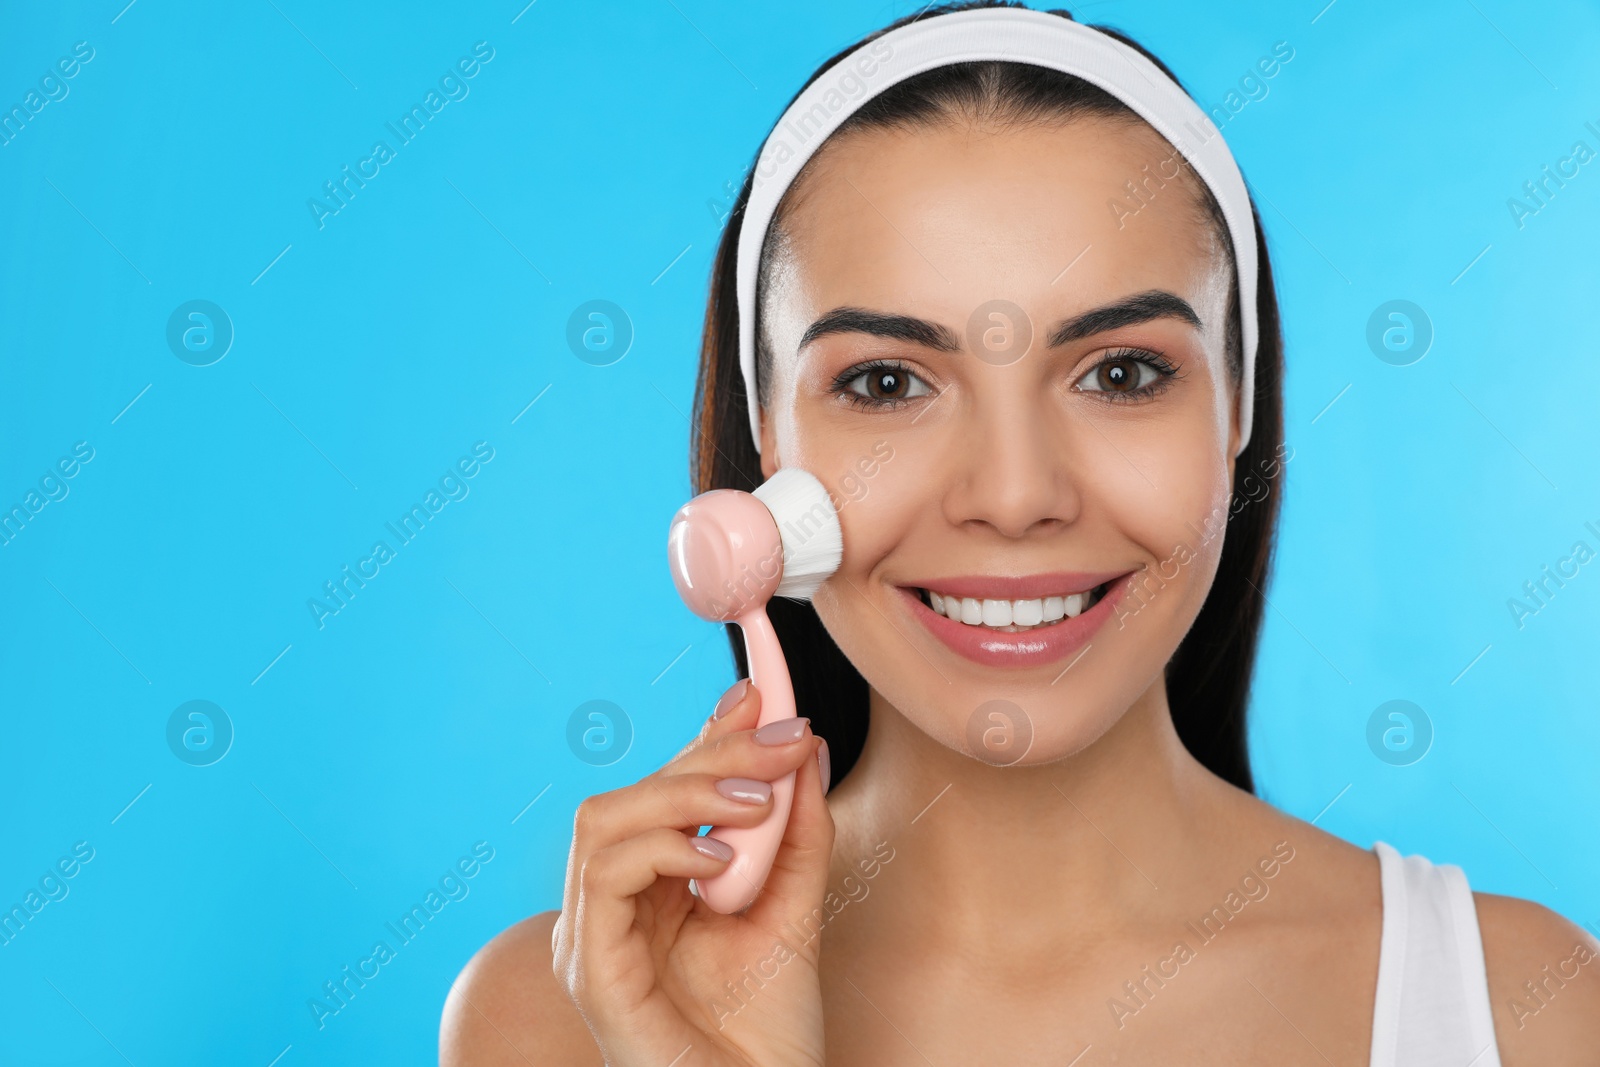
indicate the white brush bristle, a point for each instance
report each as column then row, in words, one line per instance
column 812, row 541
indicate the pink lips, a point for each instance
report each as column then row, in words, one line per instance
column 1028, row 648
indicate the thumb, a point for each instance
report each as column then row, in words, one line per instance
column 799, row 876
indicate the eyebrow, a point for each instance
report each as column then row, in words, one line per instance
column 1142, row 307
column 1129, row 311
column 898, row 327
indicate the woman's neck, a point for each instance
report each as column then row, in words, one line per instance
column 1025, row 862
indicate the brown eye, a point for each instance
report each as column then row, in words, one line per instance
column 886, row 385
column 1126, row 375
column 1118, row 375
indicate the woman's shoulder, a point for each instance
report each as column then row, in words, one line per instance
column 1542, row 969
column 1544, row 982
column 507, row 1008
column 1332, row 876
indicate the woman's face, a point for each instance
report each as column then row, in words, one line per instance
column 1011, row 374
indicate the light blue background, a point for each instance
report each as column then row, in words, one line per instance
column 592, row 160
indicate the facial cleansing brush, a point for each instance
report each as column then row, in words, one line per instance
column 730, row 553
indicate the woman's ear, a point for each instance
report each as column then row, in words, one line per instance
column 770, row 461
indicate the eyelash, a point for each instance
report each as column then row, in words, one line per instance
column 842, row 382
column 1164, row 368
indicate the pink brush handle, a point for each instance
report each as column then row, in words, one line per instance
column 755, row 847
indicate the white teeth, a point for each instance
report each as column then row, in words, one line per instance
column 1010, row 615
column 997, row 613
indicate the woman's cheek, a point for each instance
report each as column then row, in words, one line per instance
column 876, row 511
column 1180, row 523
column 1180, row 478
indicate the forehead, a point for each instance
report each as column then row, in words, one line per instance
column 943, row 217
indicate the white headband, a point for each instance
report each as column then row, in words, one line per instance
column 1016, row 35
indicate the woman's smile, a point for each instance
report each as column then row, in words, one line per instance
column 1026, row 621
column 1000, row 634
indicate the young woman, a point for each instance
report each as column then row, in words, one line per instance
column 1001, row 317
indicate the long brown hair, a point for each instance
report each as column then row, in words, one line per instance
column 1208, row 677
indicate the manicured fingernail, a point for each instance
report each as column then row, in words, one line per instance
column 748, row 790
column 827, row 768
column 731, row 698
column 710, row 846
column 782, row 732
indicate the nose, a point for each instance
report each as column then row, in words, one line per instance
column 1014, row 467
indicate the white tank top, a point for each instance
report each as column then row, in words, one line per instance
column 1432, row 1004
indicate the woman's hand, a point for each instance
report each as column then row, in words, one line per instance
column 660, row 978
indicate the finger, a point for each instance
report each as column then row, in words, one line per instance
column 737, row 709
column 799, row 876
column 602, row 923
column 663, row 800
column 607, row 818
column 612, row 877
column 683, row 802
column 764, row 752
column 741, row 696
column 692, row 798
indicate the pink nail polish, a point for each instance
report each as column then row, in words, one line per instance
column 731, row 698
column 782, row 732
column 710, row 846
column 747, row 790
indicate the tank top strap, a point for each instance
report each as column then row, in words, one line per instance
column 1432, row 1004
